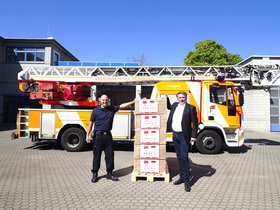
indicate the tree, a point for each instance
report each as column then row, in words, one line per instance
column 209, row 52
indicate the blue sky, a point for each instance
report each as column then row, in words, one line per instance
column 164, row 31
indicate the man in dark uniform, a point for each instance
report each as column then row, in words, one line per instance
column 102, row 118
column 183, row 122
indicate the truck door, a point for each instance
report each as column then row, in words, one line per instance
column 222, row 106
column 47, row 128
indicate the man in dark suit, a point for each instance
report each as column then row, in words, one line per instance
column 183, row 122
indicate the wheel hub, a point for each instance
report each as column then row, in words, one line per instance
column 73, row 140
column 209, row 142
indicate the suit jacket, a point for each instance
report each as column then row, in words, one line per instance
column 189, row 121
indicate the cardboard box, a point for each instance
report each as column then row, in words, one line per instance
column 150, row 136
column 156, row 166
column 150, row 121
column 151, row 106
column 151, row 151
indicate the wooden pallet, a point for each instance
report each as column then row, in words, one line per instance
column 150, row 177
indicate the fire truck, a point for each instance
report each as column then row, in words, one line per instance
column 68, row 95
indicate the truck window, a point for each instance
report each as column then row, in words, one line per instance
column 221, row 95
column 230, row 96
column 218, row 94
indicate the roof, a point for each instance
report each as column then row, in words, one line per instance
column 41, row 40
column 258, row 57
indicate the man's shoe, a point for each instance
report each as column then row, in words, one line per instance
column 187, row 187
column 178, row 181
column 94, row 178
column 112, row 177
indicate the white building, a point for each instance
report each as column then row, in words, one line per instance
column 261, row 107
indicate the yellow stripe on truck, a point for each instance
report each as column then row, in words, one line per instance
column 58, row 123
column 85, row 118
column 172, row 88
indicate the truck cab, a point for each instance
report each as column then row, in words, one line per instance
column 218, row 107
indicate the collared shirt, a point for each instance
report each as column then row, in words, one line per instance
column 177, row 118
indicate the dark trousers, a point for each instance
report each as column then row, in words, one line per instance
column 100, row 143
column 182, row 152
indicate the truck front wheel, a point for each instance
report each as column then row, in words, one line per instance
column 208, row 142
column 73, row 139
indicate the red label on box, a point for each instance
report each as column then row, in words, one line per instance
column 150, row 136
column 149, row 151
column 149, row 166
column 150, row 121
column 148, row 106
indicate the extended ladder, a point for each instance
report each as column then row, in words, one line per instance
column 256, row 76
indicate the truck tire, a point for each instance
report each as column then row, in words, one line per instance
column 73, row 139
column 208, row 142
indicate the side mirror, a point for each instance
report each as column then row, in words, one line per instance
column 241, row 95
column 241, row 99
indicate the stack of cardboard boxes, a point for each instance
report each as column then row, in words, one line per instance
column 150, row 140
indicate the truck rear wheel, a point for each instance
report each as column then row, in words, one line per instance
column 73, row 139
column 208, row 142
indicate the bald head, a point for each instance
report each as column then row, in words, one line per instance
column 104, row 101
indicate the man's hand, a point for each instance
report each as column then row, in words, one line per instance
column 193, row 141
column 89, row 131
column 88, row 139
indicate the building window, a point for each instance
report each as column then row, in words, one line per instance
column 275, row 109
column 56, row 58
column 28, row 55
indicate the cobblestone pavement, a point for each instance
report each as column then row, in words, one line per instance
column 40, row 176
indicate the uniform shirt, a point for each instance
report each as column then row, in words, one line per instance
column 177, row 118
column 103, row 117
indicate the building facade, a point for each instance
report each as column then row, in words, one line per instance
column 261, row 107
column 17, row 54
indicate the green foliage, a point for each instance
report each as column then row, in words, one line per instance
column 209, row 52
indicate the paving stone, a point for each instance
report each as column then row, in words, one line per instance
column 36, row 177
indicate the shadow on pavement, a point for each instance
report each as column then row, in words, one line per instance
column 262, row 142
column 48, row 145
column 129, row 146
column 124, row 146
column 237, row 150
column 123, row 171
column 225, row 148
column 249, row 143
column 119, row 173
column 197, row 171
column 45, row 145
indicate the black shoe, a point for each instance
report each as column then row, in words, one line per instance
column 112, row 177
column 94, row 178
column 178, row 181
column 187, row 187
